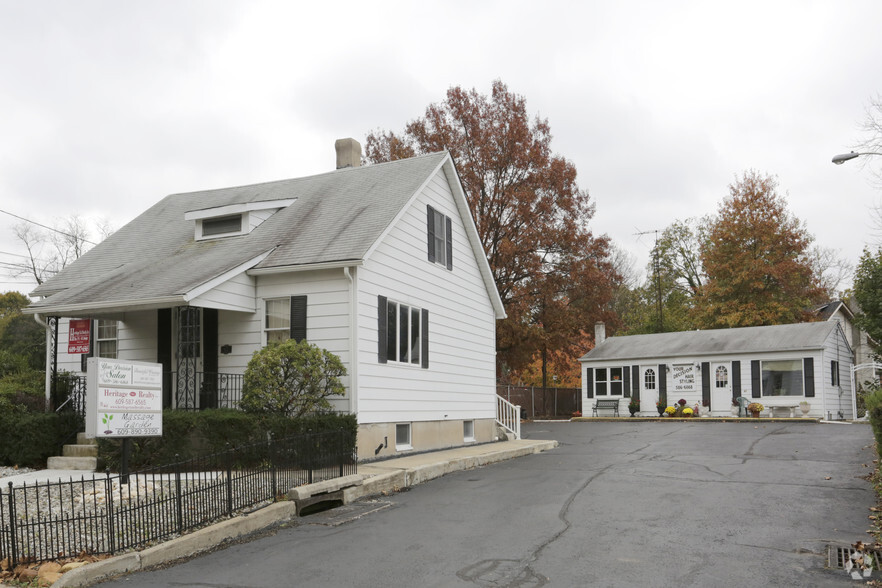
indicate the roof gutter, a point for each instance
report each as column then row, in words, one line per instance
column 74, row 309
column 285, row 269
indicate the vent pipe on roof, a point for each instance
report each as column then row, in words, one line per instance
column 599, row 333
column 348, row 153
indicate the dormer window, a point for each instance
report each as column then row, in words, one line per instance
column 212, row 227
column 234, row 219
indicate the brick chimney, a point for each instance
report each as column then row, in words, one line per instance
column 599, row 333
column 348, row 153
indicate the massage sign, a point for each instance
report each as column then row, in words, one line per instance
column 124, row 398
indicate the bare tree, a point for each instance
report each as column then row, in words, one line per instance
column 831, row 269
column 49, row 250
column 871, row 129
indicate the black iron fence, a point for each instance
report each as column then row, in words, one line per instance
column 538, row 402
column 103, row 515
column 212, row 390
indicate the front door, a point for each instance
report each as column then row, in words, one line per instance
column 721, row 387
column 648, row 389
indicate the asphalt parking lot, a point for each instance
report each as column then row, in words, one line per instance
column 616, row 504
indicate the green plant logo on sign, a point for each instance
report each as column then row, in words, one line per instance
column 106, row 420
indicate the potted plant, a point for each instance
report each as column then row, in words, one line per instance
column 755, row 408
column 686, row 413
column 634, row 406
column 660, row 407
column 805, row 407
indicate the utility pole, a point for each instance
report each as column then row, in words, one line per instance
column 659, row 307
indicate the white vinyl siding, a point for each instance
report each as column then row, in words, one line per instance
column 327, row 312
column 459, row 383
column 237, row 293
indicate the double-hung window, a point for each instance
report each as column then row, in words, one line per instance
column 107, row 338
column 285, row 318
column 439, row 230
column 403, row 333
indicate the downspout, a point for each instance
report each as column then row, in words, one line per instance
column 48, row 378
column 353, row 341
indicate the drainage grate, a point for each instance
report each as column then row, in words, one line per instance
column 838, row 556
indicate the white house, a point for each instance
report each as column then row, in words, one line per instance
column 778, row 366
column 381, row 265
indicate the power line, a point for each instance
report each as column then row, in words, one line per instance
column 48, row 228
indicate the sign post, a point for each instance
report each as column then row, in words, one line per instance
column 123, row 400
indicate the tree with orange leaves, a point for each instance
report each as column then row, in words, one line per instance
column 553, row 274
column 757, row 261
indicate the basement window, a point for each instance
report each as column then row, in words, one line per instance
column 468, row 431
column 402, row 436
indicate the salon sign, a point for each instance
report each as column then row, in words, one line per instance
column 123, row 398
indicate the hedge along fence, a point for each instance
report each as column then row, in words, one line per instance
column 189, row 434
column 30, row 438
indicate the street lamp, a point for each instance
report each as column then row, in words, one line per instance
column 843, row 157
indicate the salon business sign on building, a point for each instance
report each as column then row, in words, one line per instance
column 123, row 398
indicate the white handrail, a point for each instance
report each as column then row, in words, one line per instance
column 508, row 415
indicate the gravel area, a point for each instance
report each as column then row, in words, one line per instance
column 11, row 471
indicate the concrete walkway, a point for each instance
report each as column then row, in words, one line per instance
column 373, row 478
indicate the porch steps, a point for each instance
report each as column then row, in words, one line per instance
column 80, row 456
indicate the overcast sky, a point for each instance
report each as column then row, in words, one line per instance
column 107, row 106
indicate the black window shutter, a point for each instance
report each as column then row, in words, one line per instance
column 449, row 242
column 382, row 329
column 589, row 382
column 626, row 381
column 808, row 373
column 430, row 231
column 635, row 382
column 424, row 343
column 756, row 383
column 298, row 318
column 662, row 384
column 705, row 383
column 736, row 379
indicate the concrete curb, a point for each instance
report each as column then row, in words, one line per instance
column 746, row 420
column 374, row 478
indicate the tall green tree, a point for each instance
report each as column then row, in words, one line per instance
column 553, row 274
column 756, row 258
column 868, row 293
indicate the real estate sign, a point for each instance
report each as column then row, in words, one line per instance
column 123, row 398
column 78, row 336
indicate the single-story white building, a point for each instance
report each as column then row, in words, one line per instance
column 778, row 366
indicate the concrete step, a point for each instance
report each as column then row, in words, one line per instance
column 80, row 451
column 72, row 463
column 83, row 440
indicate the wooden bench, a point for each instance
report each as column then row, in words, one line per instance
column 608, row 404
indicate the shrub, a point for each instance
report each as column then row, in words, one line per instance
column 30, row 438
column 874, row 410
column 292, row 379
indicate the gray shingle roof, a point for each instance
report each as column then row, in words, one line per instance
column 337, row 217
column 793, row 337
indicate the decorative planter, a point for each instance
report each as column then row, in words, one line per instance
column 754, row 414
column 804, row 409
column 661, row 410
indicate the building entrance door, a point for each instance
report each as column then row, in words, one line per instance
column 721, row 387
